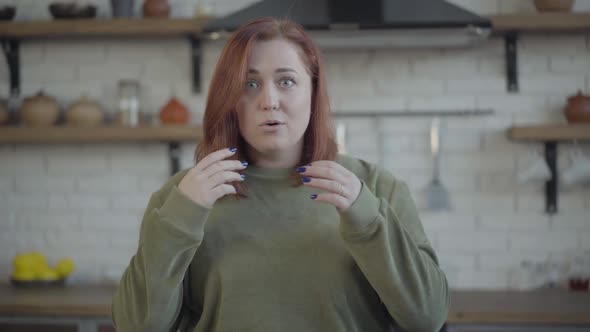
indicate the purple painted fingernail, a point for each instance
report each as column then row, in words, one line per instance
column 306, row 179
column 301, row 169
column 233, row 149
column 314, row 196
column 243, row 176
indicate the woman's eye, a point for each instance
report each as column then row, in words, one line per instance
column 252, row 84
column 287, row 82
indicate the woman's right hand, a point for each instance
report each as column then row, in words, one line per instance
column 207, row 181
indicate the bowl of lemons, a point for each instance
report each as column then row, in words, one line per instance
column 31, row 270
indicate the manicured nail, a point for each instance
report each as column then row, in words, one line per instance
column 243, row 176
column 301, row 169
column 245, row 163
column 233, row 149
column 306, row 179
column 308, row 165
column 314, row 196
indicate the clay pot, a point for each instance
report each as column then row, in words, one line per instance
column 174, row 112
column 4, row 114
column 85, row 112
column 554, row 5
column 39, row 110
column 156, row 8
column 578, row 108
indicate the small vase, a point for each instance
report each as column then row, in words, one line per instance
column 156, row 8
column 122, row 8
column 577, row 109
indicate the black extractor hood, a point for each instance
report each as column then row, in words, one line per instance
column 368, row 23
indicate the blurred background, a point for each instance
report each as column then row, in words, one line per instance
column 84, row 201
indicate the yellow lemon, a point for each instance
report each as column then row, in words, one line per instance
column 47, row 274
column 24, row 261
column 39, row 258
column 65, row 267
column 25, row 275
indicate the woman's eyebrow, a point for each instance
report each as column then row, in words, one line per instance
column 278, row 70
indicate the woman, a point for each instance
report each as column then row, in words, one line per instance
column 274, row 230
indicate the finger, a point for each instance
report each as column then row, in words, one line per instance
column 327, row 185
column 224, row 177
column 223, row 165
column 331, row 164
column 326, row 171
column 214, row 157
column 333, row 199
column 222, row 190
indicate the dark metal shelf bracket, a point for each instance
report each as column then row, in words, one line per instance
column 511, row 48
column 174, row 156
column 196, row 57
column 10, row 47
column 551, row 184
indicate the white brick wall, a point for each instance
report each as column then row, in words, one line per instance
column 86, row 201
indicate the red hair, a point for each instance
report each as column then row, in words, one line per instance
column 220, row 123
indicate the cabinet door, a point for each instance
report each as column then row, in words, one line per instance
column 14, row 327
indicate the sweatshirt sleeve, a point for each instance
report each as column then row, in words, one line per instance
column 384, row 235
column 149, row 296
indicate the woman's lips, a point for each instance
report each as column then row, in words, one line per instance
column 272, row 127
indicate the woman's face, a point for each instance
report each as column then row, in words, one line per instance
column 278, row 89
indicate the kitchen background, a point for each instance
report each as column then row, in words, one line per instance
column 86, row 201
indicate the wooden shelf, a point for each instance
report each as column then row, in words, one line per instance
column 172, row 133
column 147, row 27
column 541, row 22
column 550, row 133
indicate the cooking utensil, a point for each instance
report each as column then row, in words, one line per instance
column 437, row 196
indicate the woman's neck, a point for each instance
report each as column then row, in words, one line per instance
column 278, row 159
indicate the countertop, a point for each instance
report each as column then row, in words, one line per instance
column 546, row 306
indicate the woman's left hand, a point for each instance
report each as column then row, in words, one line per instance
column 342, row 185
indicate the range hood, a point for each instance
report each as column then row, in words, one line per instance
column 368, row 23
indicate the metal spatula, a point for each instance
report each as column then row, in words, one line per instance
column 437, row 196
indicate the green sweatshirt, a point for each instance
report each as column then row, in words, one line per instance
column 280, row 261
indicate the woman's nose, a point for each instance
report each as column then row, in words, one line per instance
column 269, row 98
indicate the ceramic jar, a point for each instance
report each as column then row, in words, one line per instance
column 39, row 110
column 174, row 112
column 554, row 5
column 156, row 8
column 85, row 112
column 577, row 109
column 4, row 113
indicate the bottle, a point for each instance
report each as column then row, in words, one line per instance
column 128, row 103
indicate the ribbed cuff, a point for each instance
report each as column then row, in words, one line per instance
column 361, row 214
column 183, row 213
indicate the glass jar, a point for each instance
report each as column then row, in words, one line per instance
column 128, row 110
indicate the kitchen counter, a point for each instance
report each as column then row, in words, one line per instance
column 547, row 306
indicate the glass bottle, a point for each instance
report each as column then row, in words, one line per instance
column 128, row 103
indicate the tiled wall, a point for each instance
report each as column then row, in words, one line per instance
column 85, row 201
